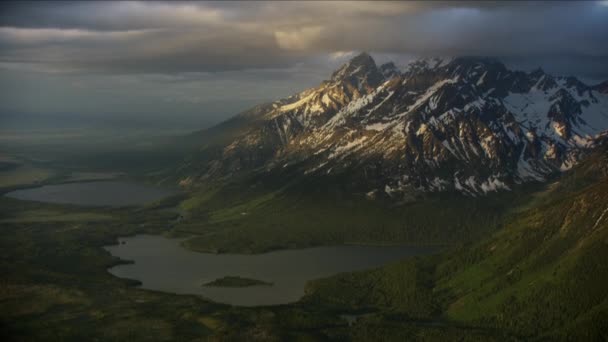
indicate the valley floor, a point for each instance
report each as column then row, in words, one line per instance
column 55, row 286
column 535, row 272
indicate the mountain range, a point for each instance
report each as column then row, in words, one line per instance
column 464, row 124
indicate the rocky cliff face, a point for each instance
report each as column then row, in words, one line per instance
column 467, row 124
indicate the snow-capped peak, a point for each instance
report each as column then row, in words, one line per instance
column 467, row 124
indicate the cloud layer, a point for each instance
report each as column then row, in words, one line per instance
column 166, row 59
column 130, row 37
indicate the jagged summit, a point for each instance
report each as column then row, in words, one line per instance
column 464, row 63
column 465, row 124
column 601, row 87
column 362, row 59
column 361, row 67
column 389, row 70
column 538, row 72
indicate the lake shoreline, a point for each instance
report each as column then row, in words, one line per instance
column 174, row 269
column 107, row 193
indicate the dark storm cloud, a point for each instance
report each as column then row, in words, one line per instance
column 197, row 62
column 133, row 37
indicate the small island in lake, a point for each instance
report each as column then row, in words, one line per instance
column 232, row 281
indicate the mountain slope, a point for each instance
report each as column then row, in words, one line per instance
column 467, row 124
column 543, row 276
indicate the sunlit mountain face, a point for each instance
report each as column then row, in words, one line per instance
column 303, row 170
column 467, row 124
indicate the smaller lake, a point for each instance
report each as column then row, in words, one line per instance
column 163, row 264
column 97, row 193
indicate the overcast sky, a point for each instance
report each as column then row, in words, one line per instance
column 194, row 63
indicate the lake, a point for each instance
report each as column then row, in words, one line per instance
column 163, row 264
column 96, row 193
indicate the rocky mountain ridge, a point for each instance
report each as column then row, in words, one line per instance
column 467, row 124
